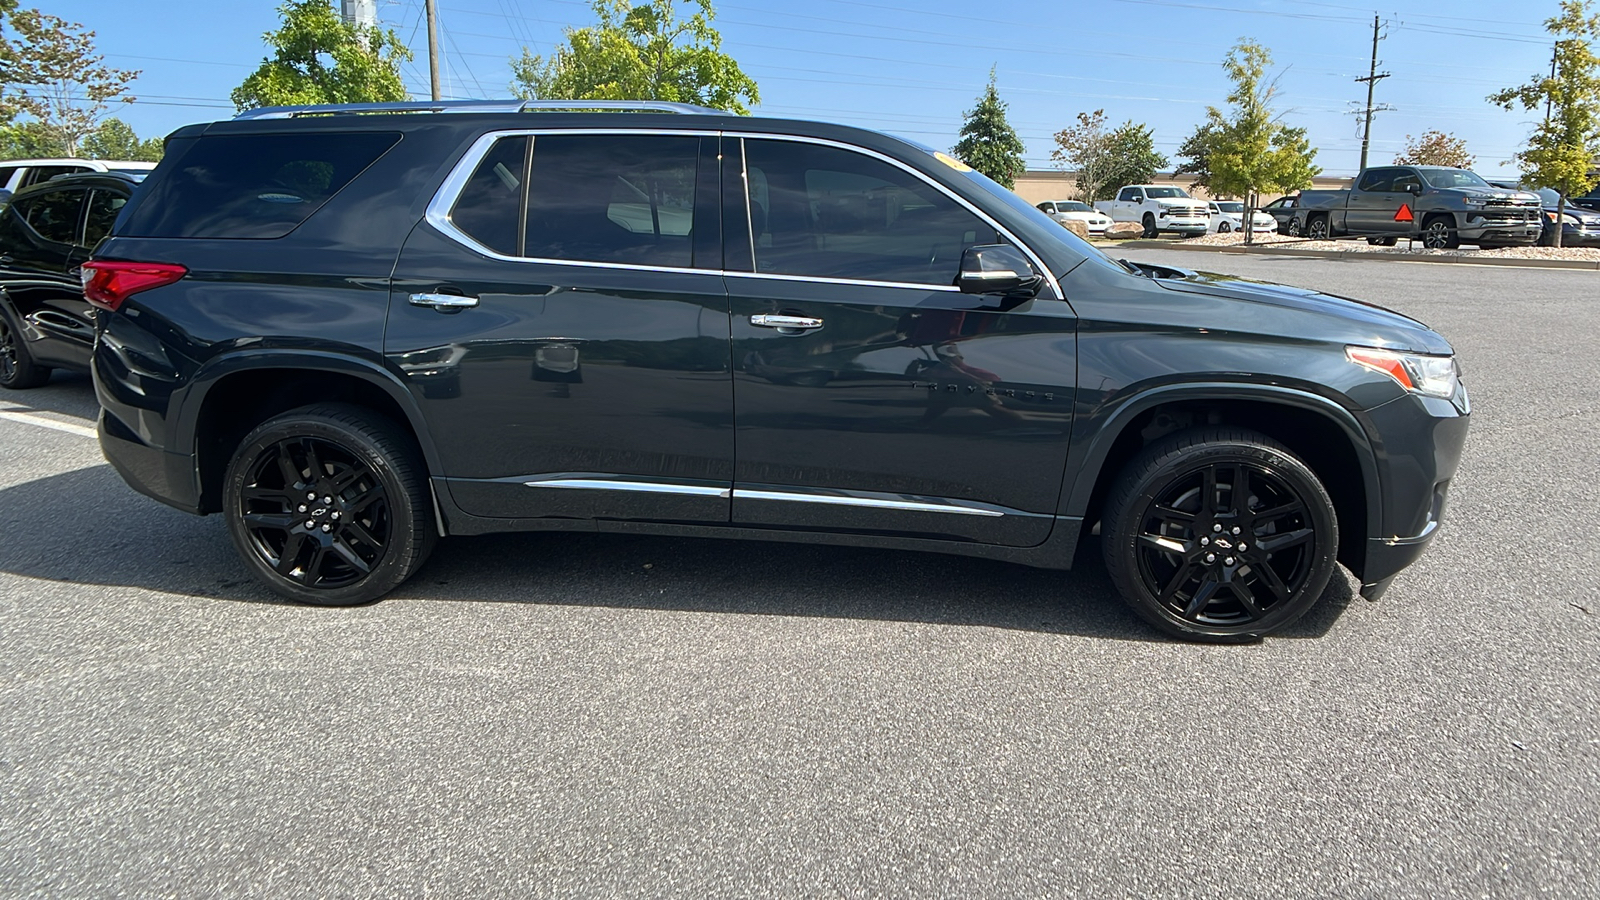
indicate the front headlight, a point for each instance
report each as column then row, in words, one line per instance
column 1432, row 376
column 1475, row 201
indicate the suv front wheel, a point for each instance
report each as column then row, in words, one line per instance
column 1219, row 534
column 328, row 505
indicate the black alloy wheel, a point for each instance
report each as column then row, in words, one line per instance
column 1294, row 228
column 1219, row 535
column 1438, row 235
column 327, row 505
column 18, row 370
column 1317, row 228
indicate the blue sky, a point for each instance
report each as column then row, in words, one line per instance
column 911, row 67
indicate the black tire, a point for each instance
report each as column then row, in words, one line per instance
column 1317, row 228
column 1382, row 241
column 1224, row 227
column 1439, row 233
column 18, row 369
column 1150, row 229
column 1293, row 228
column 348, row 534
column 1547, row 238
column 1177, row 559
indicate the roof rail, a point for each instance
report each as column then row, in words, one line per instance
column 480, row 106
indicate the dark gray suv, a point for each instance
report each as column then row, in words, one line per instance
column 352, row 335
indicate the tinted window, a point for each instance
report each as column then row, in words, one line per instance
column 491, row 201
column 40, row 174
column 54, row 215
column 822, row 211
column 5, row 175
column 1404, row 181
column 612, row 198
column 103, row 209
column 1453, row 178
column 1377, row 180
column 253, row 186
column 1131, row 194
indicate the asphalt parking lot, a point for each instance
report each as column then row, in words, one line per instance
column 571, row 715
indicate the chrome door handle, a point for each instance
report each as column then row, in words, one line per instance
column 444, row 302
column 785, row 322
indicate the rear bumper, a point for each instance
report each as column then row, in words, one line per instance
column 168, row 477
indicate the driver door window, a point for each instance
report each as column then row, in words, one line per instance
column 831, row 213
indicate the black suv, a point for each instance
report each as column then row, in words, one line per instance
column 353, row 334
column 46, row 232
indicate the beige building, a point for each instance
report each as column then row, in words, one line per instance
column 1039, row 186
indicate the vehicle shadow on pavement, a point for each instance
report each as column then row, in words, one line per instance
column 87, row 527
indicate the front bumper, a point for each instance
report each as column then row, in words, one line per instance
column 1419, row 442
column 1183, row 225
column 1501, row 227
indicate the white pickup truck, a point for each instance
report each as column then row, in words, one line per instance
column 1159, row 208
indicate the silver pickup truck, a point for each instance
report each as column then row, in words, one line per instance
column 1443, row 207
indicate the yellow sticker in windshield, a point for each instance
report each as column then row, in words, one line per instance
column 952, row 162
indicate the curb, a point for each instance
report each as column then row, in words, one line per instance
column 1271, row 250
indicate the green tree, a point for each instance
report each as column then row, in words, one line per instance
column 1081, row 148
column 57, row 80
column 988, row 142
column 640, row 52
column 114, row 139
column 1561, row 151
column 1106, row 160
column 1249, row 150
column 1435, row 148
column 319, row 58
column 1132, row 157
column 29, row 140
column 1195, row 151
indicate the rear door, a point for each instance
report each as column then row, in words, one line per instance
column 871, row 395
column 37, row 238
column 562, row 323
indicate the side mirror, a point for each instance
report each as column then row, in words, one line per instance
column 997, row 269
column 1414, row 189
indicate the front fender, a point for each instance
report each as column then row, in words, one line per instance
column 1094, row 454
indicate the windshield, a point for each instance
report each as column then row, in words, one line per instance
column 1452, row 178
column 1162, row 193
column 1047, row 225
column 1072, row 206
column 1231, row 207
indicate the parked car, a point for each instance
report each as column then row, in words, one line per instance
column 276, row 291
column 16, row 174
column 1443, row 207
column 1590, row 200
column 46, row 232
column 1228, row 215
column 1159, row 208
column 1580, row 227
column 1064, row 211
column 1282, row 211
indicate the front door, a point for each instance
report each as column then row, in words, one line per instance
column 870, row 394
column 563, row 327
column 1376, row 199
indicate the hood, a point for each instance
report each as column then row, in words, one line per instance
column 1523, row 198
column 1363, row 322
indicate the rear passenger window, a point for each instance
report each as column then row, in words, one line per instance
column 103, row 209
column 826, row 212
column 490, row 204
column 253, row 186
column 612, row 198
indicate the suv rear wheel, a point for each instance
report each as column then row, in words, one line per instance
column 18, row 369
column 328, row 505
column 1219, row 534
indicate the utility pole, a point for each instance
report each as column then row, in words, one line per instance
column 1373, row 77
column 1554, row 49
column 433, row 50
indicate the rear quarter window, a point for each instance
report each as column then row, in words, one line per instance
column 253, row 186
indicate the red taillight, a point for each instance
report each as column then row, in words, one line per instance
column 107, row 283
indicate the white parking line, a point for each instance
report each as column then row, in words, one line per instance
column 14, row 413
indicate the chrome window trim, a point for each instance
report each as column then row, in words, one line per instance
column 944, row 506
column 438, row 210
column 1038, row 263
column 596, row 483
